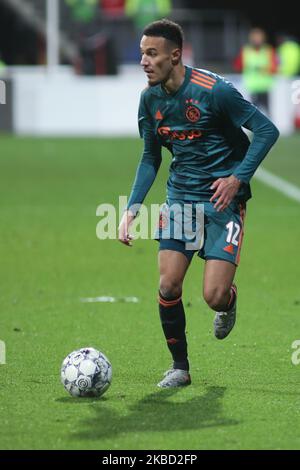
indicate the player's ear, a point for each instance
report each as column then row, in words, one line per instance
column 176, row 56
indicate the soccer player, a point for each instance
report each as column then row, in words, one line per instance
column 198, row 116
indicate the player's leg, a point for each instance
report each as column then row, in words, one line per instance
column 217, row 282
column 220, row 294
column 173, row 266
column 221, row 251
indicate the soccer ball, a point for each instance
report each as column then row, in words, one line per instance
column 86, row 373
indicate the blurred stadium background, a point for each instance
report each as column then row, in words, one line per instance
column 68, row 142
column 68, row 62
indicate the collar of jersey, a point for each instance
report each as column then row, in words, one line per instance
column 188, row 71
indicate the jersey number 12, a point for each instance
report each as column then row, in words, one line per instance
column 233, row 233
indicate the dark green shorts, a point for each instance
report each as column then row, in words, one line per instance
column 199, row 228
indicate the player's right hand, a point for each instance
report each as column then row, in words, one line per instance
column 126, row 221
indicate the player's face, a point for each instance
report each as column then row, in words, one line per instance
column 157, row 55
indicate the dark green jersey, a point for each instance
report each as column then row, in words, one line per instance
column 201, row 126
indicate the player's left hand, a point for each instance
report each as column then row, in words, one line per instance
column 225, row 190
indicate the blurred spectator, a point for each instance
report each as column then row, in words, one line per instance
column 289, row 56
column 289, row 66
column 98, row 56
column 112, row 8
column 146, row 11
column 83, row 10
column 257, row 62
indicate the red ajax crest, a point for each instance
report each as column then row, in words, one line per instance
column 192, row 113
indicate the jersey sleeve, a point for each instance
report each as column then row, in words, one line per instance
column 228, row 103
column 150, row 161
column 265, row 135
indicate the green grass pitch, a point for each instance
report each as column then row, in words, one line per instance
column 245, row 392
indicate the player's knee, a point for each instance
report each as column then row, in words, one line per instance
column 169, row 288
column 216, row 298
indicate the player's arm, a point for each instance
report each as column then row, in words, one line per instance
column 265, row 135
column 231, row 104
column 145, row 174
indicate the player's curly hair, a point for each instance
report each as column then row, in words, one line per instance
column 166, row 29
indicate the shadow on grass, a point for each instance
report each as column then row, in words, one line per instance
column 156, row 413
column 80, row 401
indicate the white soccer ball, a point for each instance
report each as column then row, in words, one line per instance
column 86, row 373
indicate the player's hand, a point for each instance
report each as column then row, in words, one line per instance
column 126, row 221
column 225, row 190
